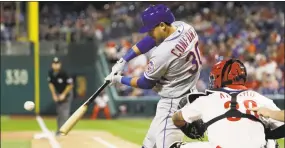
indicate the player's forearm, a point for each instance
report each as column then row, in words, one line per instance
column 277, row 115
column 67, row 89
column 143, row 46
column 52, row 89
column 138, row 82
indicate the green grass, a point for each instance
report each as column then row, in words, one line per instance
column 19, row 125
column 132, row 130
column 15, row 144
column 281, row 143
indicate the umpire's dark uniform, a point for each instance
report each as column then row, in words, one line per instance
column 60, row 84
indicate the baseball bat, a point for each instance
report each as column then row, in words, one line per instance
column 76, row 116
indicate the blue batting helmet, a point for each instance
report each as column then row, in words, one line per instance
column 155, row 14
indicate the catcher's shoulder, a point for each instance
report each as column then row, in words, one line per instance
column 195, row 95
column 191, row 97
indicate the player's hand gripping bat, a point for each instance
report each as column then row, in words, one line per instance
column 74, row 118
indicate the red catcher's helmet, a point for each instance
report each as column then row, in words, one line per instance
column 227, row 72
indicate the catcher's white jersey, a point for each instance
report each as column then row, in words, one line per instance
column 233, row 132
column 176, row 62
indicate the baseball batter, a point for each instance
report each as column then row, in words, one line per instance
column 173, row 69
column 220, row 110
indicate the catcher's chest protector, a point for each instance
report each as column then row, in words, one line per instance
column 233, row 112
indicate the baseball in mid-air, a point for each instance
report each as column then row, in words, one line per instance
column 29, row 105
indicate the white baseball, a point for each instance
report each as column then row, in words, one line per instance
column 29, row 105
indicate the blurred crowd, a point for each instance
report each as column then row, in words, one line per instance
column 72, row 21
column 250, row 31
column 253, row 33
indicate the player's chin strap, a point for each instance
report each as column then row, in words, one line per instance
column 233, row 112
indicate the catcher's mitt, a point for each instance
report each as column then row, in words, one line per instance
column 194, row 130
column 177, row 144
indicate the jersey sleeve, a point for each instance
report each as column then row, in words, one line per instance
column 146, row 44
column 156, row 68
column 192, row 112
column 49, row 78
column 271, row 105
column 69, row 79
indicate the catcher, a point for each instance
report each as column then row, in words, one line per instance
column 224, row 112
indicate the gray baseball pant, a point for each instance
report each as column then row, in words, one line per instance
column 63, row 110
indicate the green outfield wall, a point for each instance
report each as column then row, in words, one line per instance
column 17, row 78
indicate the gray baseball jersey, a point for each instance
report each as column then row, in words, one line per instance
column 176, row 62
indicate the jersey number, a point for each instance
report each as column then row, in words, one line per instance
column 246, row 104
column 192, row 57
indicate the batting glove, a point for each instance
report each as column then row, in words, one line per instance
column 113, row 78
column 119, row 66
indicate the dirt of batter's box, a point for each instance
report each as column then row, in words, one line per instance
column 40, row 143
column 25, row 135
